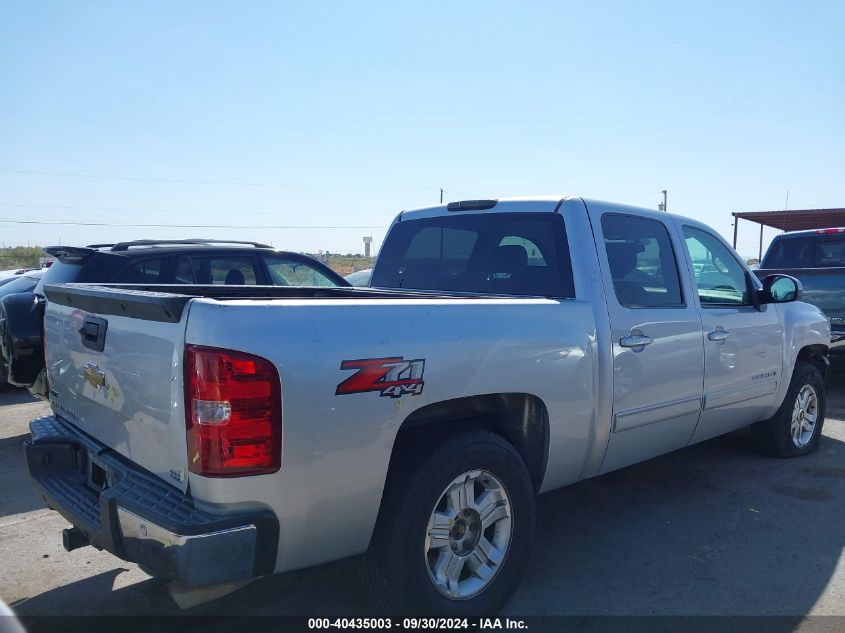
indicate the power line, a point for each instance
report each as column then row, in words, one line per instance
column 211, row 182
column 147, row 210
column 177, row 226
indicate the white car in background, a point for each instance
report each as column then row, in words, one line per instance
column 360, row 277
column 13, row 273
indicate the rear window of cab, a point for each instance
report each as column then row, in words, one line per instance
column 491, row 253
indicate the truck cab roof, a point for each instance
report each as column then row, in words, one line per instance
column 532, row 204
column 528, row 204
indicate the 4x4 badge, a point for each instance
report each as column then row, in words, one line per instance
column 393, row 377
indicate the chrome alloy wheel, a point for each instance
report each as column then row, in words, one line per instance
column 468, row 534
column 805, row 413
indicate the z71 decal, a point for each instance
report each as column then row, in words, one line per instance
column 393, row 377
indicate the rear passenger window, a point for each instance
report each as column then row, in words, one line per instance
column 217, row 270
column 495, row 253
column 144, row 271
column 642, row 262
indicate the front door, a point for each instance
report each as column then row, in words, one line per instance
column 743, row 345
column 658, row 357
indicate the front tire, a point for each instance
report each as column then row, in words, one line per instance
column 454, row 530
column 797, row 426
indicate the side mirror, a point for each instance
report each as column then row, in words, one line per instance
column 781, row 289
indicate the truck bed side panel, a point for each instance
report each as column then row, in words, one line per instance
column 336, row 448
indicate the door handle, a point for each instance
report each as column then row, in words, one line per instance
column 719, row 335
column 636, row 340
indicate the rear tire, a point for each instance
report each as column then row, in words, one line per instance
column 454, row 529
column 797, row 426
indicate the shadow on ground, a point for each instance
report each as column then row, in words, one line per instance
column 714, row 529
column 15, row 395
column 17, row 492
column 836, row 391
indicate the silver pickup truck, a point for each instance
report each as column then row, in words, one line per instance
column 505, row 349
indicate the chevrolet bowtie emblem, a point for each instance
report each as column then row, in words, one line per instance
column 94, row 376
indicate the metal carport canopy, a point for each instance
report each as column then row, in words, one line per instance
column 796, row 220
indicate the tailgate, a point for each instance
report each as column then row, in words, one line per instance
column 114, row 360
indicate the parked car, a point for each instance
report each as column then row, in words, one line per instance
column 507, row 348
column 24, row 282
column 12, row 274
column 204, row 262
column 817, row 260
column 360, row 277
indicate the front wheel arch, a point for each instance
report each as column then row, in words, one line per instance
column 816, row 355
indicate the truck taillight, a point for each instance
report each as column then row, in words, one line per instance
column 233, row 413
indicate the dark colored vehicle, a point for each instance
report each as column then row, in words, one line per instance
column 194, row 262
column 26, row 283
column 817, row 260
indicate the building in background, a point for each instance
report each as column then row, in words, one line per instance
column 796, row 220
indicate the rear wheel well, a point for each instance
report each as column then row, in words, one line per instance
column 521, row 418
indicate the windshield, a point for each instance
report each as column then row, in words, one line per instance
column 290, row 272
column 812, row 251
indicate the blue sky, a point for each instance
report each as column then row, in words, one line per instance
column 354, row 111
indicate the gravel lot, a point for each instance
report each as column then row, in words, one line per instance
column 713, row 529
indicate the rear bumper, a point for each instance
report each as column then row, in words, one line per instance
column 119, row 507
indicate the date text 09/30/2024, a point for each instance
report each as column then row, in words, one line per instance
column 480, row 624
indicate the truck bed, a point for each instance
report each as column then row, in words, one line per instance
column 166, row 302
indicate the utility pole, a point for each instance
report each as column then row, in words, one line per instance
column 441, row 195
column 662, row 205
column 736, row 227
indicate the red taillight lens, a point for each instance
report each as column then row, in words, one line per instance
column 233, row 413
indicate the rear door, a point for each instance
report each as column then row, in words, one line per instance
column 658, row 360
column 743, row 345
